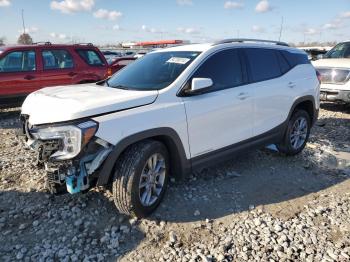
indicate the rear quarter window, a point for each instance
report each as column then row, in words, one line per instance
column 295, row 59
column 91, row 57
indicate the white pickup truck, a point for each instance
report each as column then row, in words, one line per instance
column 334, row 68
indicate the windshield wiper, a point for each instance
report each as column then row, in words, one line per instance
column 121, row 87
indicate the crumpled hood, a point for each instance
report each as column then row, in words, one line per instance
column 64, row 103
column 332, row 62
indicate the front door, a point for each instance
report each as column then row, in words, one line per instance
column 223, row 115
column 58, row 67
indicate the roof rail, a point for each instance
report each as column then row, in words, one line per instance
column 88, row 44
column 242, row 40
column 45, row 43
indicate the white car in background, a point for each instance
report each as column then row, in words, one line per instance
column 140, row 54
column 334, row 68
column 170, row 112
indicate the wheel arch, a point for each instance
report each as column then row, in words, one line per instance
column 306, row 103
column 179, row 163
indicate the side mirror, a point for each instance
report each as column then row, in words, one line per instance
column 199, row 85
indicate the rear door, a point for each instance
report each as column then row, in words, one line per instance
column 94, row 65
column 272, row 87
column 224, row 115
column 58, row 67
column 18, row 73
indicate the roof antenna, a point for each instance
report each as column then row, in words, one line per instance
column 281, row 29
column 24, row 27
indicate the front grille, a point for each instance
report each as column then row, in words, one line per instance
column 332, row 93
column 334, row 75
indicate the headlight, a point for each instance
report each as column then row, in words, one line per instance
column 72, row 138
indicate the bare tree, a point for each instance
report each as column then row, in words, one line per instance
column 25, row 39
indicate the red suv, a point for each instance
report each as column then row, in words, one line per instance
column 24, row 69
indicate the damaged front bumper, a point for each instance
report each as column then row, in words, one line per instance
column 74, row 175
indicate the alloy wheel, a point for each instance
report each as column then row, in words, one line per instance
column 299, row 133
column 152, row 179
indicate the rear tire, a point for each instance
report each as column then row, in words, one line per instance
column 297, row 133
column 140, row 178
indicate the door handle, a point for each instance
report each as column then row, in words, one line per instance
column 72, row 74
column 242, row 96
column 291, row 84
column 29, row 77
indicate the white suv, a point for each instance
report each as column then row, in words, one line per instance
column 335, row 73
column 169, row 112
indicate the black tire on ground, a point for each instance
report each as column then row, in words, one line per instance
column 128, row 169
column 285, row 146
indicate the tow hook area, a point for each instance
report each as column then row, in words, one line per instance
column 78, row 180
column 74, row 176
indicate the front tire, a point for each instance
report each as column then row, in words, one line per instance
column 297, row 133
column 140, row 178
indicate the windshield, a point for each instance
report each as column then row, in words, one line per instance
column 153, row 71
column 341, row 50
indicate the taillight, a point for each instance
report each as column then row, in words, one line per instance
column 319, row 77
column 109, row 72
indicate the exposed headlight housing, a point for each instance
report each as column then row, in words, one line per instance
column 72, row 138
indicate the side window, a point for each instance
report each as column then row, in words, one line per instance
column 91, row 57
column 295, row 59
column 57, row 59
column 224, row 68
column 263, row 64
column 282, row 61
column 18, row 61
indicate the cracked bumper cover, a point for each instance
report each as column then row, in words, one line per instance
column 76, row 175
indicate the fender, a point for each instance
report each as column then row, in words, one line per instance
column 296, row 103
column 179, row 163
column 309, row 98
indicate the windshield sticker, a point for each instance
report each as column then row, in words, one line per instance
column 178, row 60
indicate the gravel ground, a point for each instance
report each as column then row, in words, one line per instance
column 259, row 206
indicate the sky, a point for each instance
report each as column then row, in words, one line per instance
column 113, row 21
